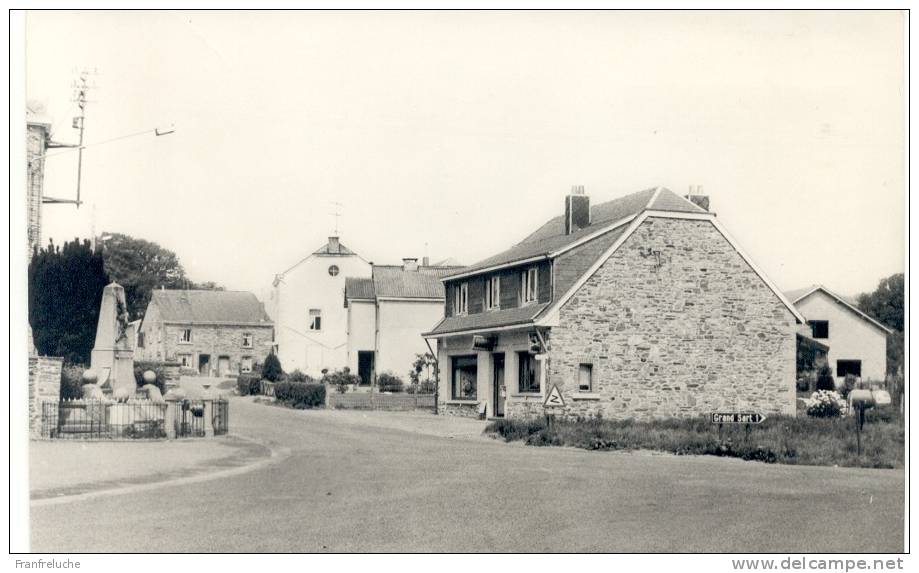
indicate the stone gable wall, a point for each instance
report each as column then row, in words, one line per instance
column 675, row 323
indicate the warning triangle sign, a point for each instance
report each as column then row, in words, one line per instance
column 554, row 398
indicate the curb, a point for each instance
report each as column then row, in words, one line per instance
column 277, row 454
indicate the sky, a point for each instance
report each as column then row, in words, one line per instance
column 456, row 134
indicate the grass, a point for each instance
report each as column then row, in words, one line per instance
column 781, row 439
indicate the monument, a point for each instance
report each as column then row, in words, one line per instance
column 112, row 358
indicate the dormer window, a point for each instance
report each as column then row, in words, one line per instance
column 528, row 292
column 493, row 293
column 461, row 299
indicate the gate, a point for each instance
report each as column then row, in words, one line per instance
column 190, row 419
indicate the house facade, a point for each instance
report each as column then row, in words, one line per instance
column 209, row 333
column 387, row 314
column 857, row 343
column 643, row 306
column 305, row 304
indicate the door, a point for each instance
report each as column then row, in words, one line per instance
column 365, row 367
column 223, row 366
column 204, row 364
column 498, row 385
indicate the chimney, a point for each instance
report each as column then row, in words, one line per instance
column 425, row 262
column 334, row 246
column 696, row 196
column 409, row 264
column 577, row 210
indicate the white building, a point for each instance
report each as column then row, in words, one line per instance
column 305, row 304
column 858, row 343
column 387, row 314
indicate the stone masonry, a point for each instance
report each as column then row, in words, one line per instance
column 218, row 341
column 44, row 385
column 675, row 323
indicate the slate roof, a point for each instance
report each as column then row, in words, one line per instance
column 491, row 319
column 392, row 281
column 210, row 306
column 551, row 237
column 358, row 288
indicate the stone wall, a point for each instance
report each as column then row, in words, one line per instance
column 217, row 341
column 44, row 385
column 675, row 323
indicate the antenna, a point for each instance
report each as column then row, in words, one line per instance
column 81, row 88
column 337, row 208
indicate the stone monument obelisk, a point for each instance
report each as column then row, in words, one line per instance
column 112, row 358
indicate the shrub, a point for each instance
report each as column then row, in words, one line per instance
column 848, row 385
column 825, row 380
column 802, row 385
column 389, row 382
column 298, row 376
column 158, row 368
column 300, row 395
column 272, row 370
column 72, row 381
column 825, row 404
column 249, row 384
column 340, row 379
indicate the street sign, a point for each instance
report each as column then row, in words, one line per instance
column 554, row 397
column 737, row 417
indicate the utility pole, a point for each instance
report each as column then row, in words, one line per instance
column 81, row 88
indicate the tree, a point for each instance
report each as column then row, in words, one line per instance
column 65, row 291
column 140, row 267
column 885, row 305
column 272, row 370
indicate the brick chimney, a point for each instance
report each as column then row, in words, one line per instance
column 409, row 264
column 334, row 245
column 577, row 210
column 696, row 196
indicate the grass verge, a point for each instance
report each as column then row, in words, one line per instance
column 781, row 439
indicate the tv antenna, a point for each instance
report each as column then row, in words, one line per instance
column 336, row 206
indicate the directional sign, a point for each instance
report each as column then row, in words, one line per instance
column 737, row 417
column 554, row 398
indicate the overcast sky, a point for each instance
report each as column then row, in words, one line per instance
column 456, row 134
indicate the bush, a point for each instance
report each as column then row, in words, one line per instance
column 249, row 384
column 825, row 404
column 298, row 376
column 848, row 385
column 389, row 382
column 300, row 395
column 340, row 379
column 158, row 368
column 825, row 380
column 72, row 381
column 272, row 370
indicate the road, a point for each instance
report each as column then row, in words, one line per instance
column 354, row 483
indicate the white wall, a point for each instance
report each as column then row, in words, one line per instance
column 307, row 286
column 852, row 337
column 361, row 330
column 399, row 339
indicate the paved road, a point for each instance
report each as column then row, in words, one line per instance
column 350, row 485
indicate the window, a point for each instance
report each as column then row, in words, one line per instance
column 247, row 340
column 460, row 298
column 246, row 364
column 820, row 328
column 586, row 377
column 464, row 377
column 186, row 360
column 315, row 319
column 493, row 293
column 527, row 374
column 845, row 367
column 528, row 286
column 333, row 270
column 185, row 336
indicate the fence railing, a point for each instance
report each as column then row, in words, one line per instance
column 133, row 419
column 378, row 401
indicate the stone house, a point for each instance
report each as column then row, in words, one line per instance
column 305, row 304
column 643, row 306
column 387, row 314
column 857, row 343
column 209, row 332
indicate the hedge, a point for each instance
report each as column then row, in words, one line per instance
column 248, row 384
column 300, row 395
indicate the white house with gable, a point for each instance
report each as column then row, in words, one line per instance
column 305, row 304
column 858, row 343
